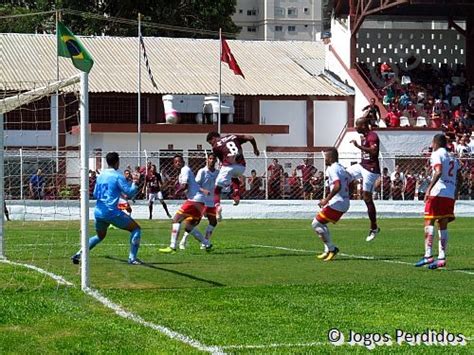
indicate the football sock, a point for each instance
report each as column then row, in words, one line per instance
column 184, row 239
column 323, row 232
column 372, row 214
column 429, row 230
column 93, row 241
column 135, row 237
column 209, row 231
column 443, row 243
column 150, row 208
column 174, row 234
column 198, row 235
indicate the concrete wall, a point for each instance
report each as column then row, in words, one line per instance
column 247, row 209
column 392, row 143
column 292, row 113
column 127, row 142
column 397, row 45
column 340, row 42
column 330, row 118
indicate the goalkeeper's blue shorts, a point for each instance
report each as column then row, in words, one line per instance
column 121, row 221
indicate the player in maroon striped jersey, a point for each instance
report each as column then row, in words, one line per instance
column 229, row 151
column 368, row 170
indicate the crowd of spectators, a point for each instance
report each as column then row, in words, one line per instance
column 421, row 95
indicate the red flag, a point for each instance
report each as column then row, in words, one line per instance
column 228, row 57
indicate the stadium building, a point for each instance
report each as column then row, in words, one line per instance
column 285, row 99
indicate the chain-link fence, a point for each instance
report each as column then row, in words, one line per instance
column 50, row 176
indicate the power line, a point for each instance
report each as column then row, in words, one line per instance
column 29, row 14
column 124, row 21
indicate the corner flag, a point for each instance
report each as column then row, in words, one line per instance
column 70, row 47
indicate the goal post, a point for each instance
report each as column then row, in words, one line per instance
column 26, row 118
column 84, row 140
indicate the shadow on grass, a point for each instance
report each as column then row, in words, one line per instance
column 178, row 273
column 279, row 255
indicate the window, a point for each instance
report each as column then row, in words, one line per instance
column 278, row 28
column 252, row 12
column 291, row 28
column 241, row 11
column 306, row 11
column 251, row 29
column 279, row 11
column 292, row 11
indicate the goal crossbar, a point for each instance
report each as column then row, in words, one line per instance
column 13, row 102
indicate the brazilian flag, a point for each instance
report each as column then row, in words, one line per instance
column 70, row 47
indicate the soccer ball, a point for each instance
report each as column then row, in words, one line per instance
column 172, row 117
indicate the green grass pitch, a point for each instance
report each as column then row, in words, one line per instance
column 260, row 291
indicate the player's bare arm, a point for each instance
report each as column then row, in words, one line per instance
column 372, row 150
column 334, row 191
column 205, row 191
column 181, row 188
column 252, row 141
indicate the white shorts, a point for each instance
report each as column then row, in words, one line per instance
column 154, row 196
column 227, row 172
column 368, row 178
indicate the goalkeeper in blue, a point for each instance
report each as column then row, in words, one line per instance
column 110, row 186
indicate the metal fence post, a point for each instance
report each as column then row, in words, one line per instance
column 266, row 174
column 324, row 175
column 381, row 175
column 21, row 174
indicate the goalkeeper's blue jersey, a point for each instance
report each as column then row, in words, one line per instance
column 110, row 186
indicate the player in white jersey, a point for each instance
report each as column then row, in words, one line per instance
column 334, row 205
column 206, row 178
column 439, row 201
column 191, row 210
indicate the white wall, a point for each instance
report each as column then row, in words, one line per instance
column 127, row 142
column 330, row 117
column 41, row 138
column 247, row 209
column 291, row 113
column 340, row 41
column 392, row 143
column 397, row 45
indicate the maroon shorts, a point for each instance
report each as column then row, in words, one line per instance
column 191, row 210
column 327, row 214
column 437, row 207
column 210, row 211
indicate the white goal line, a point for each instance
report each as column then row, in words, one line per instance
column 214, row 349
column 362, row 257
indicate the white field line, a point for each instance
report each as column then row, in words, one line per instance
column 125, row 314
column 59, row 279
column 363, row 257
column 268, row 346
column 163, row 330
column 78, row 244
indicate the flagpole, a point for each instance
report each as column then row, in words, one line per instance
column 220, row 82
column 56, row 101
column 139, row 89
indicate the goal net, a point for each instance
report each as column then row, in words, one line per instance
column 40, row 182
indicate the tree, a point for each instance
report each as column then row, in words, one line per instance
column 195, row 14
